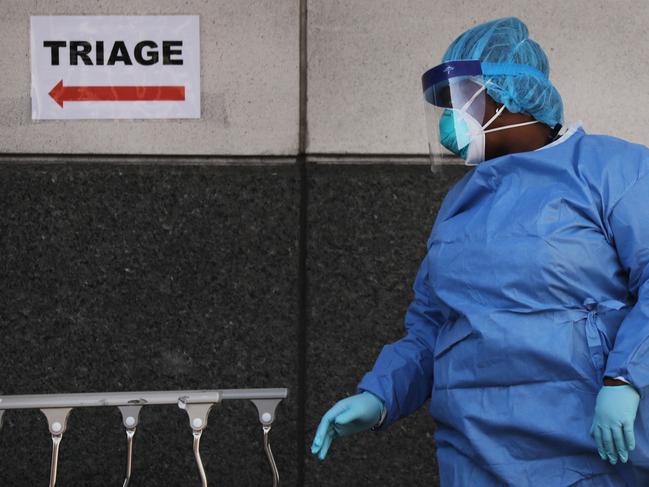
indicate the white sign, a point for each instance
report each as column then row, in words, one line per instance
column 115, row 67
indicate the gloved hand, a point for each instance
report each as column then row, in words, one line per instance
column 347, row 416
column 615, row 412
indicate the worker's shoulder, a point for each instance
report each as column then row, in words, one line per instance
column 611, row 163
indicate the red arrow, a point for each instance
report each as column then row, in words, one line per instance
column 61, row 93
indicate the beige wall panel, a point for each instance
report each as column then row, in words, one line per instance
column 249, row 81
column 366, row 58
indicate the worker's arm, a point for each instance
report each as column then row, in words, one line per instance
column 629, row 224
column 399, row 383
column 402, row 375
column 617, row 403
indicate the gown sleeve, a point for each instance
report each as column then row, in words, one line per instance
column 629, row 223
column 402, row 375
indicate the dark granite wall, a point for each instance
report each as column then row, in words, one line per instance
column 125, row 277
column 368, row 228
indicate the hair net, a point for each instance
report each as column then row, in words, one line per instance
column 506, row 41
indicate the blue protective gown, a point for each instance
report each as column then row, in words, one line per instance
column 535, row 286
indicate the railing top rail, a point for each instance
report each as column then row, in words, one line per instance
column 132, row 398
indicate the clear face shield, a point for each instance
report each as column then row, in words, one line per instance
column 455, row 99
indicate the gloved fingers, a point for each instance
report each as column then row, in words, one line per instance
column 629, row 436
column 620, row 444
column 326, row 423
column 317, row 448
column 597, row 434
column 316, row 443
column 609, row 447
column 320, row 435
column 329, row 438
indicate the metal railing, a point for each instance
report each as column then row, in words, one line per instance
column 197, row 404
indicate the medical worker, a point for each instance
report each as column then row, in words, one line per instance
column 529, row 327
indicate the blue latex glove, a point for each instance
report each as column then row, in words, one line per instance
column 350, row 415
column 615, row 412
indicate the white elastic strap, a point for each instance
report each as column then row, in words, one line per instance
column 475, row 95
column 510, row 126
column 498, row 112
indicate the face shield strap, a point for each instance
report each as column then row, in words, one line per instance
column 511, row 69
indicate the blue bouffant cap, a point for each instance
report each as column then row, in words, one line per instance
column 507, row 41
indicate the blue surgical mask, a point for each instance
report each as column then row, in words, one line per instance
column 454, row 133
column 464, row 136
